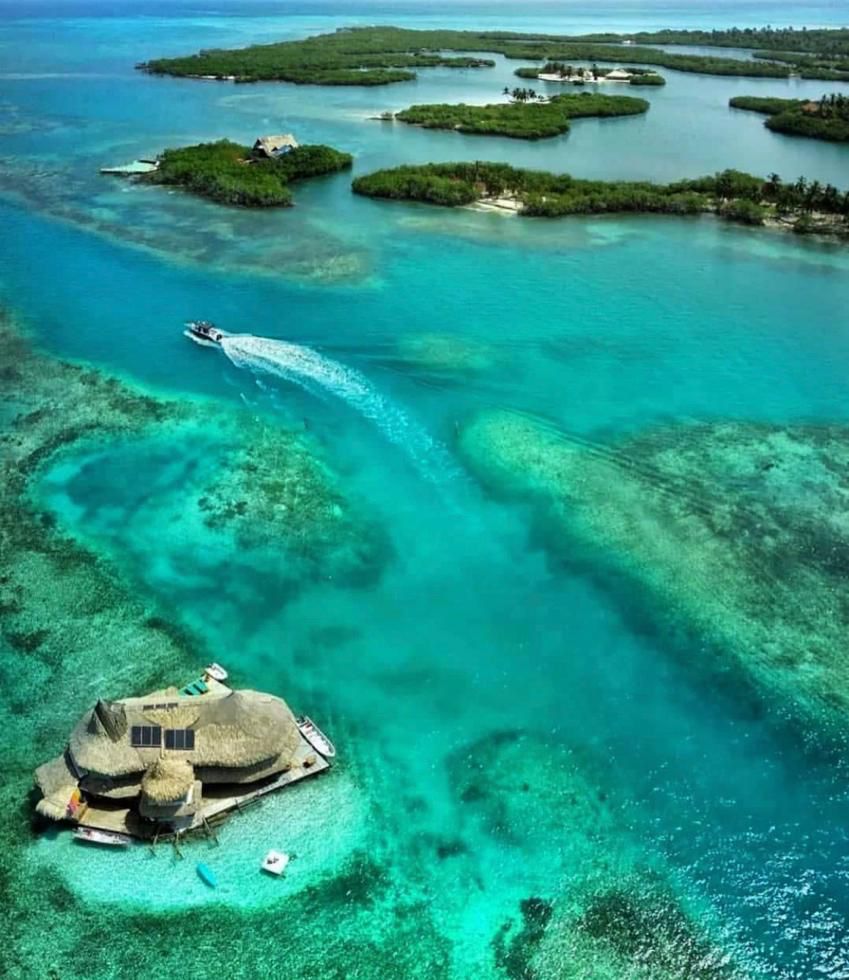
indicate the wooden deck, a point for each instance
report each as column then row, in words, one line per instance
column 217, row 801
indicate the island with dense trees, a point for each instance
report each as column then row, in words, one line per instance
column 560, row 71
column 525, row 117
column 379, row 55
column 802, row 206
column 230, row 173
column 824, row 119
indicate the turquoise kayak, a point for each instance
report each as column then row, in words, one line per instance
column 207, row 875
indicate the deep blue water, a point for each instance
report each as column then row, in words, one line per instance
column 604, row 327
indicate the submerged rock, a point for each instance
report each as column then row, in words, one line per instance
column 609, row 907
column 738, row 531
column 446, row 354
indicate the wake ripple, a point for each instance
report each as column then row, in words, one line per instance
column 309, row 369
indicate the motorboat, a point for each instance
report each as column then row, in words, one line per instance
column 316, row 737
column 216, row 672
column 275, row 862
column 91, row 835
column 204, row 331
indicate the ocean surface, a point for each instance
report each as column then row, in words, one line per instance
column 486, row 678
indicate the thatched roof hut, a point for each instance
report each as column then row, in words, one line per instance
column 152, row 755
column 274, row 146
column 168, row 780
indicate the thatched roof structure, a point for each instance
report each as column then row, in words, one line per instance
column 168, row 780
column 57, row 783
column 231, row 729
column 153, row 754
column 271, row 146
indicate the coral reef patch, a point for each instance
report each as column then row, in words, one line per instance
column 611, row 909
column 739, row 531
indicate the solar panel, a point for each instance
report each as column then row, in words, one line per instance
column 179, row 739
column 145, row 736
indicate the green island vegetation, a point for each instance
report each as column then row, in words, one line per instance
column 806, row 207
column 826, row 119
column 229, row 173
column 349, row 56
column 580, row 76
column 378, row 55
column 524, row 118
column 664, row 513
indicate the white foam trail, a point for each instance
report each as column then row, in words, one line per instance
column 310, row 370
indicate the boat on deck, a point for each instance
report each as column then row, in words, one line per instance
column 91, row 835
column 316, row 737
column 204, row 331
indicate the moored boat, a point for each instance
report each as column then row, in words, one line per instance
column 316, row 737
column 91, row 835
column 207, row 875
column 275, row 862
column 204, row 330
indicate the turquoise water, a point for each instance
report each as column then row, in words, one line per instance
column 385, row 329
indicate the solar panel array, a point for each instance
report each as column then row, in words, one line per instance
column 180, row 738
column 145, row 736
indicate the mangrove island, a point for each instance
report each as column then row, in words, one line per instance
column 381, row 55
column 257, row 176
column 522, row 119
column 826, row 119
column 804, row 207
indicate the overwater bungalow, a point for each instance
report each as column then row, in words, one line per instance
column 170, row 761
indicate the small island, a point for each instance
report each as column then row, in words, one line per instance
column 802, row 207
column 826, row 119
column 527, row 117
column 350, row 56
column 382, row 55
column 559, row 71
column 253, row 177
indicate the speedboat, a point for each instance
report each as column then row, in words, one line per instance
column 316, row 737
column 90, row 835
column 204, row 331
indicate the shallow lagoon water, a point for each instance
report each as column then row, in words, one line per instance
column 473, row 632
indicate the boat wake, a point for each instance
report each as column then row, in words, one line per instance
column 314, row 372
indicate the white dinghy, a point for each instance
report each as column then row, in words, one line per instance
column 275, row 862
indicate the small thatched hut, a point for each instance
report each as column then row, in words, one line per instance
column 274, row 146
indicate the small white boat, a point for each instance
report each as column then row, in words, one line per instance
column 316, row 737
column 90, row 835
column 204, row 332
column 275, row 862
column 216, row 672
